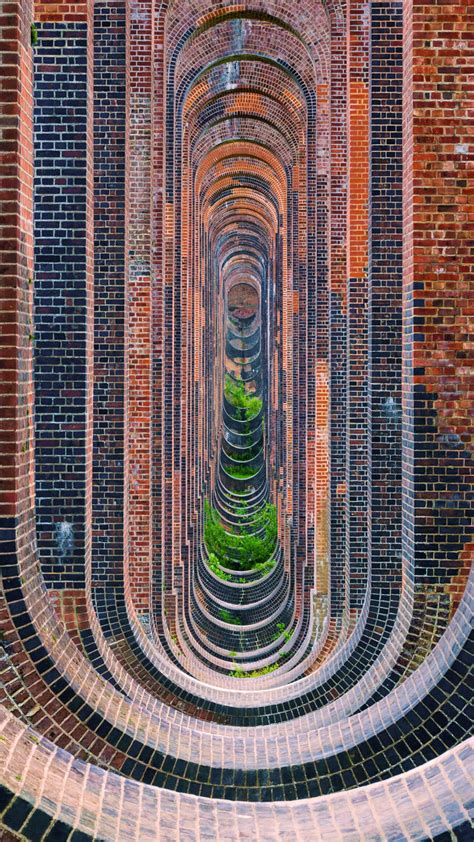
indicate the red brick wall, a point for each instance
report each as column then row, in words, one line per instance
column 16, row 266
column 438, row 256
column 57, row 12
column 323, row 316
column 138, row 413
column 358, row 32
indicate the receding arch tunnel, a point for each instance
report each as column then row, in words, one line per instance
column 235, row 421
column 240, row 94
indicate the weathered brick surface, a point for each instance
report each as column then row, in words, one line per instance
column 16, row 335
column 61, row 12
column 63, row 299
column 438, row 261
column 138, row 350
column 181, row 150
column 109, row 292
column 356, row 485
column 385, row 292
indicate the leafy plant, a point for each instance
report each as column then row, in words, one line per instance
column 227, row 617
column 241, row 471
column 241, row 492
column 246, row 455
column 240, row 549
column 239, row 673
column 215, row 566
column 237, row 395
column 282, row 630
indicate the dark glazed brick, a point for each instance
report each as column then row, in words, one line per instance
column 61, row 299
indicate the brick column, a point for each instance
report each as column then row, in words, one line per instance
column 318, row 338
column 438, row 255
column 337, row 312
column 16, row 285
column 358, row 28
column 63, row 296
column 138, row 407
column 109, row 291
column 385, row 292
column 158, row 412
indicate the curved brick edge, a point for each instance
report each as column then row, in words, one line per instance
column 267, row 688
column 153, row 730
column 414, row 806
column 332, row 712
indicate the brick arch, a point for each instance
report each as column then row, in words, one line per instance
column 109, row 731
column 195, row 46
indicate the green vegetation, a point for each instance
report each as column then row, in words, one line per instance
column 34, row 35
column 227, row 617
column 241, row 471
column 240, row 673
column 248, row 405
column 245, row 455
column 282, row 630
column 239, row 550
column 214, row 565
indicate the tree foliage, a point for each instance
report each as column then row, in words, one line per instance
column 240, row 549
column 248, row 404
column 241, row 471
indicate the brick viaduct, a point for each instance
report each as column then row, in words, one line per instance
column 205, row 202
